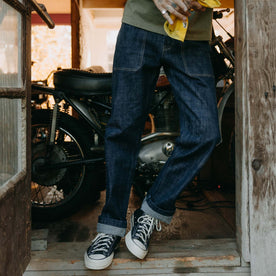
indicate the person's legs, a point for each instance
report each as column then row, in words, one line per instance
column 190, row 73
column 135, row 72
column 136, row 69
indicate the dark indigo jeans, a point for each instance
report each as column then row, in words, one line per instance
column 138, row 57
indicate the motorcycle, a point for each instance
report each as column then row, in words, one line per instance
column 68, row 138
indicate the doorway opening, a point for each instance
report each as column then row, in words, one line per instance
column 206, row 209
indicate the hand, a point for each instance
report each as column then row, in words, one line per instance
column 180, row 8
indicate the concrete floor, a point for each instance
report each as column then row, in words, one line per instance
column 203, row 224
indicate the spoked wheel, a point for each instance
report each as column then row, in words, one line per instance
column 57, row 190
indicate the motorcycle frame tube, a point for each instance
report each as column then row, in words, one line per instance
column 224, row 49
column 159, row 134
column 81, row 109
column 61, row 165
column 54, row 124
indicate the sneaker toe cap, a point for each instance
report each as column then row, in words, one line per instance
column 140, row 244
column 96, row 256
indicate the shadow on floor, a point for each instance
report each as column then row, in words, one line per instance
column 203, row 223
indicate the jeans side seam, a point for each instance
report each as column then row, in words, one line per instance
column 140, row 61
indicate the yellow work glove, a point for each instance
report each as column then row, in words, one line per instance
column 179, row 28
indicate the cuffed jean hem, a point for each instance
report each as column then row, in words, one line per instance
column 111, row 230
column 149, row 211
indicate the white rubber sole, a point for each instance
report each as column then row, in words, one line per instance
column 133, row 248
column 97, row 264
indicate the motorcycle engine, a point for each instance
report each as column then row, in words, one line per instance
column 156, row 151
column 152, row 156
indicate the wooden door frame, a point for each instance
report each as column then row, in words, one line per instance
column 15, row 194
column 252, row 158
column 242, row 120
column 241, row 132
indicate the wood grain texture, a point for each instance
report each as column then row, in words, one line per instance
column 241, row 131
column 256, row 80
column 178, row 256
column 205, row 271
column 261, row 80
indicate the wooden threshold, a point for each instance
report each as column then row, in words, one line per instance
column 172, row 257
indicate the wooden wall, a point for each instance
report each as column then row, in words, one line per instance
column 256, row 132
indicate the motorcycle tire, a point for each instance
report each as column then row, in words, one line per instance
column 57, row 193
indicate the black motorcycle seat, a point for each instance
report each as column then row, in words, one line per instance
column 82, row 83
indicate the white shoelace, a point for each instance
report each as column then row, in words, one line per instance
column 146, row 227
column 102, row 243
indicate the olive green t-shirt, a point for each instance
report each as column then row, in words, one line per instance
column 145, row 15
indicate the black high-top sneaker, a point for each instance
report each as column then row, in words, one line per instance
column 99, row 254
column 137, row 239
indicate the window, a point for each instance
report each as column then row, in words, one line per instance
column 10, row 47
column 12, row 111
column 10, row 146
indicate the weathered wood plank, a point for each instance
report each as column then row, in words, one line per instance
column 165, row 254
column 261, row 79
column 200, row 271
column 136, row 273
column 256, row 126
column 241, row 131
